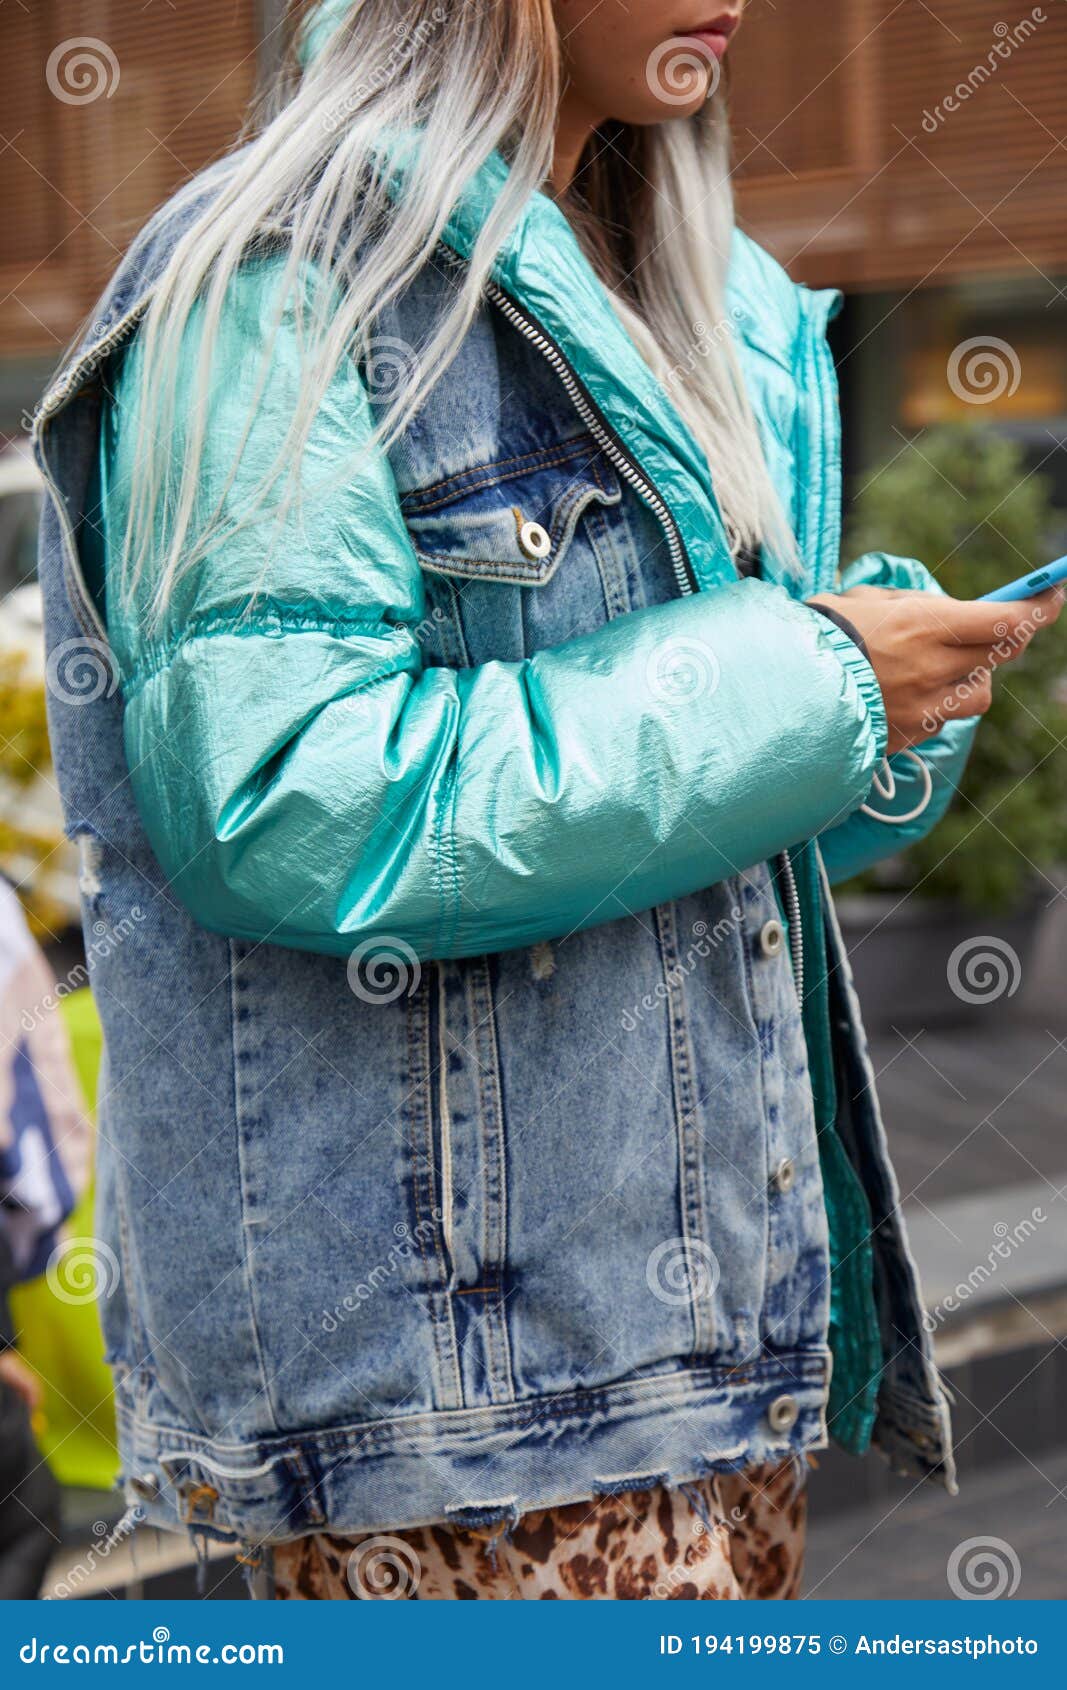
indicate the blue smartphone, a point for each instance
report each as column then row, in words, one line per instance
column 1028, row 586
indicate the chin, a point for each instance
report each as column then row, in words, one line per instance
column 655, row 112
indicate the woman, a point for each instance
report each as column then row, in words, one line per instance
column 490, row 1149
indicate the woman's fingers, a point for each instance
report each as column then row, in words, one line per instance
column 973, row 694
column 1006, row 631
column 935, row 657
column 1011, row 626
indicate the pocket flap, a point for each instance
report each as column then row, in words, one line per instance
column 512, row 520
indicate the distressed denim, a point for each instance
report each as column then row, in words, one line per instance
column 510, row 1236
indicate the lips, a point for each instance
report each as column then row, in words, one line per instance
column 716, row 33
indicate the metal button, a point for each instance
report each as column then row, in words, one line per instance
column 782, row 1414
column 535, row 541
column 198, row 1502
column 771, row 938
column 785, row 1175
column 146, row 1486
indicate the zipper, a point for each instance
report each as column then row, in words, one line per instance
column 613, row 449
column 791, row 900
column 605, row 437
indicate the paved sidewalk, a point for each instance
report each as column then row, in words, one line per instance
column 971, row 1109
column 903, row 1548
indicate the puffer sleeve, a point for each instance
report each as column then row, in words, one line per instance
column 306, row 778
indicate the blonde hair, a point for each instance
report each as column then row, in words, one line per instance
column 653, row 209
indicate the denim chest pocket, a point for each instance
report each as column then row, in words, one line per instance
column 516, row 553
column 512, row 521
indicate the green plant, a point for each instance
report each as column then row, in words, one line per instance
column 962, row 499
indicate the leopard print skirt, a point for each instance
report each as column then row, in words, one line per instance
column 728, row 1537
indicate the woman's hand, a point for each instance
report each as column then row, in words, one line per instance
column 934, row 656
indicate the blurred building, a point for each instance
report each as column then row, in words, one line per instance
column 915, row 155
column 912, row 154
column 107, row 107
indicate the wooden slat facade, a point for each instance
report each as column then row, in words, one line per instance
column 854, row 168
column 837, row 173
column 78, row 179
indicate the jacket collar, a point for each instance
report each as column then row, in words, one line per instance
column 542, row 268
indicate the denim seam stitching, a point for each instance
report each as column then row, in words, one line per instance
column 420, row 1097
column 750, row 999
column 606, row 554
column 133, row 1304
column 309, row 1495
column 496, row 1319
column 547, row 458
column 693, row 1216
column 804, row 1368
column 536, row 572
column 239, row 1116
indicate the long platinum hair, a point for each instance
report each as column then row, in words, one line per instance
column 652, row 207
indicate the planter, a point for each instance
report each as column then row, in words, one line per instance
column 933, row 964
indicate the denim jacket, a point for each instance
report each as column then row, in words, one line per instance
column 458, row 1146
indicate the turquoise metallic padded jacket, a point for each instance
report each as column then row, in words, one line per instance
column 509, row 802
column 546, row 1215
